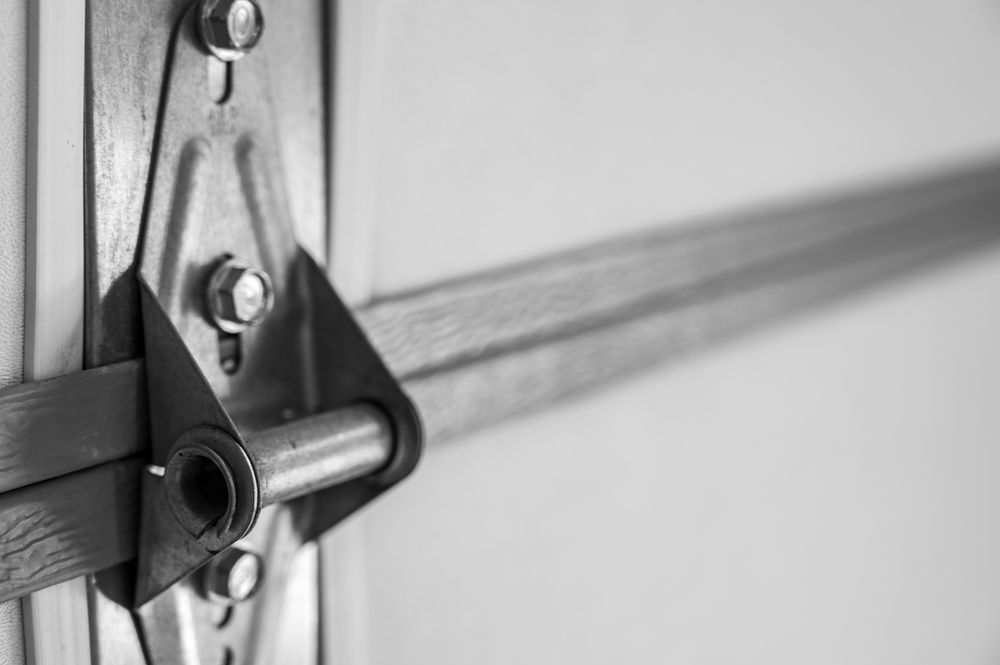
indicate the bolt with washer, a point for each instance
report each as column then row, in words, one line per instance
column 234, row 575
column 239, row 296
column 230, row 28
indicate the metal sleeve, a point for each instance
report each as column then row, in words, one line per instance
column 320, row 451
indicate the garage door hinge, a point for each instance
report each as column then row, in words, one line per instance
column 262, row 388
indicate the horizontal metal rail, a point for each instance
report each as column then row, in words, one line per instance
column 477, row 351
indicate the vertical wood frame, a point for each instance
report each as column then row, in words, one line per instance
column 56, row 625
column 54, row 297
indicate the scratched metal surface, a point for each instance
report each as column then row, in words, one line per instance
column 127, row 46
column 127, row 52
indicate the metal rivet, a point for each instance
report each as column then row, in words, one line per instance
column 230, row 28
column 234, row 575
column 238, row 296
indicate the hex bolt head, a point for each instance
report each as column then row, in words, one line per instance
column 238, row 296
column 230, row 28
column 234, row 575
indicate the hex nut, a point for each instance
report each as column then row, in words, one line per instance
column 230, row 28
column 234, row 575
column 238, row 296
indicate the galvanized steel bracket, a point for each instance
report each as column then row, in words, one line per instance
column 226, row 407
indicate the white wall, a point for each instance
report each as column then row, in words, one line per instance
column 478, row 133
column 822, row 492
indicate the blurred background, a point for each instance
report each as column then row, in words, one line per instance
column 823, row 491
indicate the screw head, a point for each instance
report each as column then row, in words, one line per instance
column 230, row 28
column 234, row 575
column 239, row 296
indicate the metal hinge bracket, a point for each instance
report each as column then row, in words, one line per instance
column 262, row 388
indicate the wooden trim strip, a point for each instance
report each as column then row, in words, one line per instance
column 56, row 623
column 472, row 369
